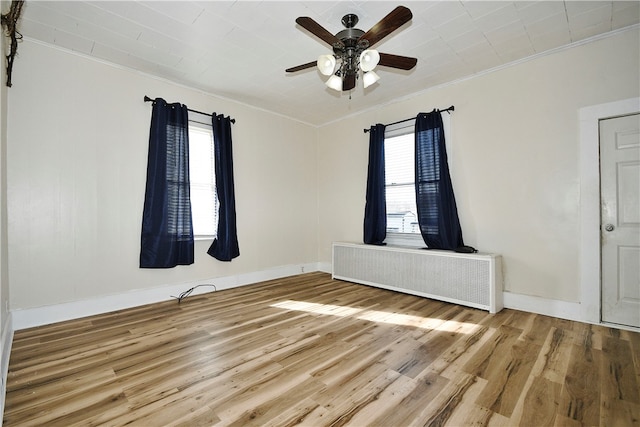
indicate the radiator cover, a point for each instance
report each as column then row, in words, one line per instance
column 474, row 280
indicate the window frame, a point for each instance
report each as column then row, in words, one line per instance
column 200, row 126
column 415, row 240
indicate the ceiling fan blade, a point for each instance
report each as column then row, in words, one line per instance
column 397, row 61
column 394, row 20
column 318, row 30
column 301, row 67
column 349, row 81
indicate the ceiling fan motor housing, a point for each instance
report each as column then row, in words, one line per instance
column 350, row 51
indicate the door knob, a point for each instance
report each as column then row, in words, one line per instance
column 609, row 227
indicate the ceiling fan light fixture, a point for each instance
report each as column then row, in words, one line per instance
column 369, row 59
column 335, row 83
column 369, row 78
column 326, row 64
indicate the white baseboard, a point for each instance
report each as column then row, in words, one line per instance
column 555, row 308
column 325, row 267
column 38, row 316
column 5, row 346
column 548, row 307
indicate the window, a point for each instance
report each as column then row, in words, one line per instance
column 400, row 190
column 204, row 200
column 402, row 214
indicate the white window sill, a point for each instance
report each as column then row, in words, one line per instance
column 406, row 240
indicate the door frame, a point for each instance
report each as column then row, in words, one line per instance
column 590, row 256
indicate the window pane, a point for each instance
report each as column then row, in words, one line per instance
column 401, row 209
column 200, row 156
column 203, row 208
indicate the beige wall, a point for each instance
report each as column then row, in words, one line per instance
column 78, row 138
column 515, row 159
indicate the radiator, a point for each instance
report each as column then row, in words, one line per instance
column 474, row 280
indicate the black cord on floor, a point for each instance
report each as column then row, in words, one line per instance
column 188, row 292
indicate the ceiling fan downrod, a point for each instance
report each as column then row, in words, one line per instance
column 350, row 20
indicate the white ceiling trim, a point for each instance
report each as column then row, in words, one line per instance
column 492, row 70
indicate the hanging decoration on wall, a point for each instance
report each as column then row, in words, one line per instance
column 10, row 24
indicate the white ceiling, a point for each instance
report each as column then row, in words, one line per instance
column 240, row 49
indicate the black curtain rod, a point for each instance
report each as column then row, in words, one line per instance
column 147, row 99
column 448, row 110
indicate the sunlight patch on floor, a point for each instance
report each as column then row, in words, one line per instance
column 312, row 307
column 379, row 316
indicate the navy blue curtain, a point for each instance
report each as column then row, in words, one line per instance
column 437, row 211
column 167, row 232
column 225, row 245
column 375, row 210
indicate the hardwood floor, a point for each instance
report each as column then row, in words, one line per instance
column 312, row 351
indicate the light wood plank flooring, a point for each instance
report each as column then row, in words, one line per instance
column 312, row 351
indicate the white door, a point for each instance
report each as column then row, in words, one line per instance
column 620, row 219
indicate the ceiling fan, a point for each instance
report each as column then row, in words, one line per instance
column 352, row 50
